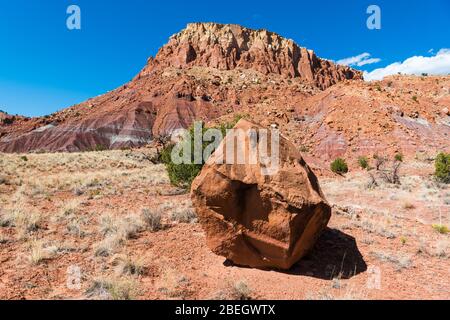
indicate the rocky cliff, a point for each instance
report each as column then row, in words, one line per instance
column 228, row 47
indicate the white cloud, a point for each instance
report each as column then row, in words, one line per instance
column 438, row 64
column 359, row 60
column 368, row 61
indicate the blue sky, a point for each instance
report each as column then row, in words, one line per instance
column 45, row 67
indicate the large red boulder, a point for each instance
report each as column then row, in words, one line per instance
column 254, row 218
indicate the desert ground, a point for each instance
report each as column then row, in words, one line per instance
column 109, row 225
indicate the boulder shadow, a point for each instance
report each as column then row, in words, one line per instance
column 335, row 254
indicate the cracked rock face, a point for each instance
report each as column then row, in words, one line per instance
column 259, row 220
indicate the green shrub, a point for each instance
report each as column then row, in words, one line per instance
column 9, row 120
column 442, row 165
column 183, row 174
column 441, row 228
column 24, row 158
column 100, row 147
column 398, row 157
column 363, row 162
column 339, row 166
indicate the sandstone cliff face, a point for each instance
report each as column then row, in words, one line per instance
column 226, row 47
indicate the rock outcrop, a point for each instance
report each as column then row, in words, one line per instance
column 226, row 47
column 255, row 219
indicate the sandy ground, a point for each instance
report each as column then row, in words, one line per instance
column 77, row 226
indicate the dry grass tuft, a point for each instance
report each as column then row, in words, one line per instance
column 126, row 265
column 39, row 253
column 174, row 284
column 183, row 213
column 25, row 221
column 152, row 219
column 113, row 289
column 107, row 246
column 400, row 261
column 238, row 290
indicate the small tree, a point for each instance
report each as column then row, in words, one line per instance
column 339, row 166
column 182, row 174
column 379, row 162
column 442, row 166
column 363, row 162
column 391, row 175
column 398, row 157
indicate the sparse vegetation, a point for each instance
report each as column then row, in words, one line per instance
column 152, row 218
column 379, row 161
column 442, row 249
column 442, row 229
column 9, row 120
column 99, row 148
column 400, row 261
column 363, row 162
column 75, row 227
column 398, row 157
column 36, row 252
column 40, row 202
column 126, row 265
column 242, row 290
column 442, row 167
column 117, row 230
column 183, row 215
column 107, row 246
column 403, row 240
column 113, row 289
column 25, row 222
column 174, row 284
column 339, row 166
column 238, row 290
column 389, row 175
column 39, row 254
